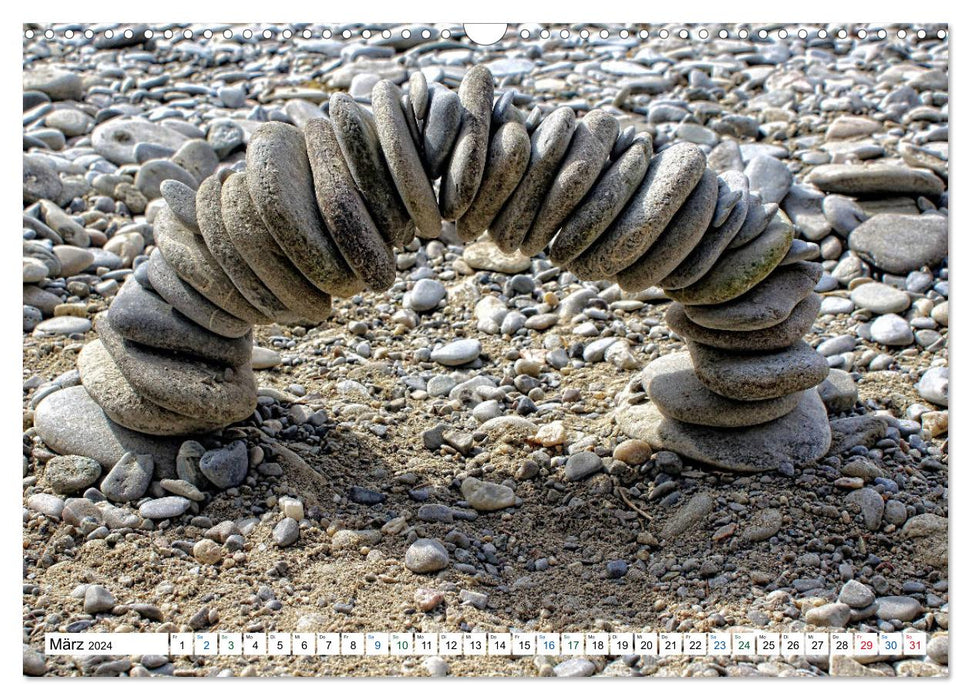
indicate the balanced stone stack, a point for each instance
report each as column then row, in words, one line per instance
column 320, row 209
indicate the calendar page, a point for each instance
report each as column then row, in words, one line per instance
column 523, row 349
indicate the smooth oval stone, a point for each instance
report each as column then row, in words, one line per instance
column 901, row 243
column 107, row 385
column 262, row 253
column 705, row 254
column 755, row 376
column 154, row 172
column 402, row 158
column 409, row 114
column 344, row 211
column 193, row 388
column 182, row 201
column 677, row 240
column 602, row 204
column 142, row 316
column 164, row 508
column 73, row 260
column 677, row 392
column 62, row 325
column 71, row 423
column 467, row 162
column 198, row 158
column 593, row 138
column 281, row 187
column 671, row 177
column 757, row 218
column 115, row 139
column 357, row 135
column 191, row 303
column 508, row 159
column 193, row 262
column 441, row 129
column 875, row 178
column 767, row 304
column 418, row 94
column 548, row 144
column 880, row 298
column 737, row 271
column 775, row 337
column 220, row 245
column 800, row 437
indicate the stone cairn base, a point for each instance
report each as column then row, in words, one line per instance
column 319, row 210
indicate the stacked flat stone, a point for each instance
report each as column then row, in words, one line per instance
column 319, row 210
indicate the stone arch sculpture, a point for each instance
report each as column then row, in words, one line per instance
column 319, row 210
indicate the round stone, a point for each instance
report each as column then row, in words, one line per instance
column 486, row 496
column 749, row 377
column 769, row 177
column 344, row 212
column 880, row 298
column 286, row 532
column 153, row 172
column 677, row 240
column 933, row 386
column 456, row 353
column 467, row 162
column 900, row 243
column 73, row 260
column 548, row 144
column 226, row 467
column 737, row 271
column 672, row 384
column 115, row 139
column 426, row 556
column 507, row 161
column 581, row 465
column 281, row 186
column 589, row 150
column 425, row 295
column 602, row 204
column 891, row 329
column 69, row 474
column 129, row 478
column 671, row 176
column 357, row 135
column 401, row 155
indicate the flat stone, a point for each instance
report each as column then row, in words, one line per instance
column 62, row 325
column 688, row 516
column 281, row 186
column 856, row 595
column 286, row 532
column 404, row 164
column 593, row 139
column 838, row 391
column 191, row 303
column 898, row 607
column 737, row 271
column 581, row 465
column 769, row 303
column 129, row 478
column 142, row 316
column 677, row 240
column 107, row 385
column 900, row 243
column 115, row 139
column 182, row 201
column 871, row 505
column 441, row 128
column 69, row 474
column 485, row 255
column 70, row 422
column 548, row 145
column 748, row 377
column 800, row 437
column 193, row 388
column 197, row 158
column 55, row 82
column 769, row 177
column 605, row 201
column 344, row 211
column 233, row 264
column 153, row 172
column 73, row 260
column 98, row 599
column 261, row 252
column 775, row 337
column 758, row 216
column 875, row 178
column 458, row 352
column 733, row 188
column 804, row 206
column 164, row 508
column 671, row 176
column 674, row 387
column 357, row 135
column 708, row 250
column 487, row 496
column 468, row 159
column 190, row 258
column 505, row 165
column 764, row 524
column 835, row 615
